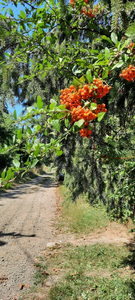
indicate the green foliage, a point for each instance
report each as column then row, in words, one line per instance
column 48, row 47
column 80, row 217
column 131, row 31
column 104, row 276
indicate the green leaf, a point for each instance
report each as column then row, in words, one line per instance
column 66, row 122
column 29, row 130
column 125, row 57
column 118, row 65
column 62, row 107
column 104, row 37
column 114, row 38
column 39, row 102
column 80, row 61
column 93, row 106
column 1, row 16
column 125, row 44
column 46, row 132
column 15, row 115
column 7, row 185
column 80, row 123
column 11, row 12
column 100, row 116
column 14, row 138
column 107, row 53
column 52, row 106
column 16, row 163
column 9, row 174
column 56, row 124
column 29, row 109
column 19, row 59
column 59, row 152
column 101, row 63
column 118, row 45
column 3, row 174
column 37, row 127
column 48, row 64
column 23, row 45
column 41, row 67
column 33, row 163
column 44, row 75
column 89, row 76
column 76, row 83
column 53, row 101
column 27, row 162
column 22, row 174
column 36, row 152
column 19, row 134
column 104, row 74
column 23, row 14
column 82, row 79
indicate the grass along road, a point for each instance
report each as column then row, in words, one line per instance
column 92, row 258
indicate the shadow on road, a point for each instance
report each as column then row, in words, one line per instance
column 16, row 234
column 44, row 181
column 2, row 243
column 13, row 234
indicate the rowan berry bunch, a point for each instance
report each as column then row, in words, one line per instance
column 131, row 47
column 129, row 73
column 101, row 89
column 100, row 108
column 86, row 9
column 85, row 132
column 70, row 97
column 75, row 101
column 80, row 112
column 72, row 2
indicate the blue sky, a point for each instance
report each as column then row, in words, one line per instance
column 18, row 108
column 16, row 11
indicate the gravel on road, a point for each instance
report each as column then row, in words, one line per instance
column 27, row 214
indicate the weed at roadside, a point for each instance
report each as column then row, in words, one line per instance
column 80, row 217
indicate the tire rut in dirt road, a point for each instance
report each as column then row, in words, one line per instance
column 26, row 218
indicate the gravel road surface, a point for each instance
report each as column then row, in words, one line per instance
column 26, row 218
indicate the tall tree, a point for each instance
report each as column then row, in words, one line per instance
column 78, row 42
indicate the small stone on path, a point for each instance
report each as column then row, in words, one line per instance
column 51, row 245
column 48, row 283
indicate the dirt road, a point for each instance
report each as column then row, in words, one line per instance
column 26, row 217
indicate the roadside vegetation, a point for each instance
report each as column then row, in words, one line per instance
column 71, row 65
column 82, row 272
column 80, row 217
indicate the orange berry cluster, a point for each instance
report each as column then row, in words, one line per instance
column 131, row 47
column 100, row 108
column 97, row 91
column 72, row 2
column 70, row 97
column 74, row 100
column 129, row 73
column 101, row 89
column 80, row 112
column 86, row 9
column 85, row 132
